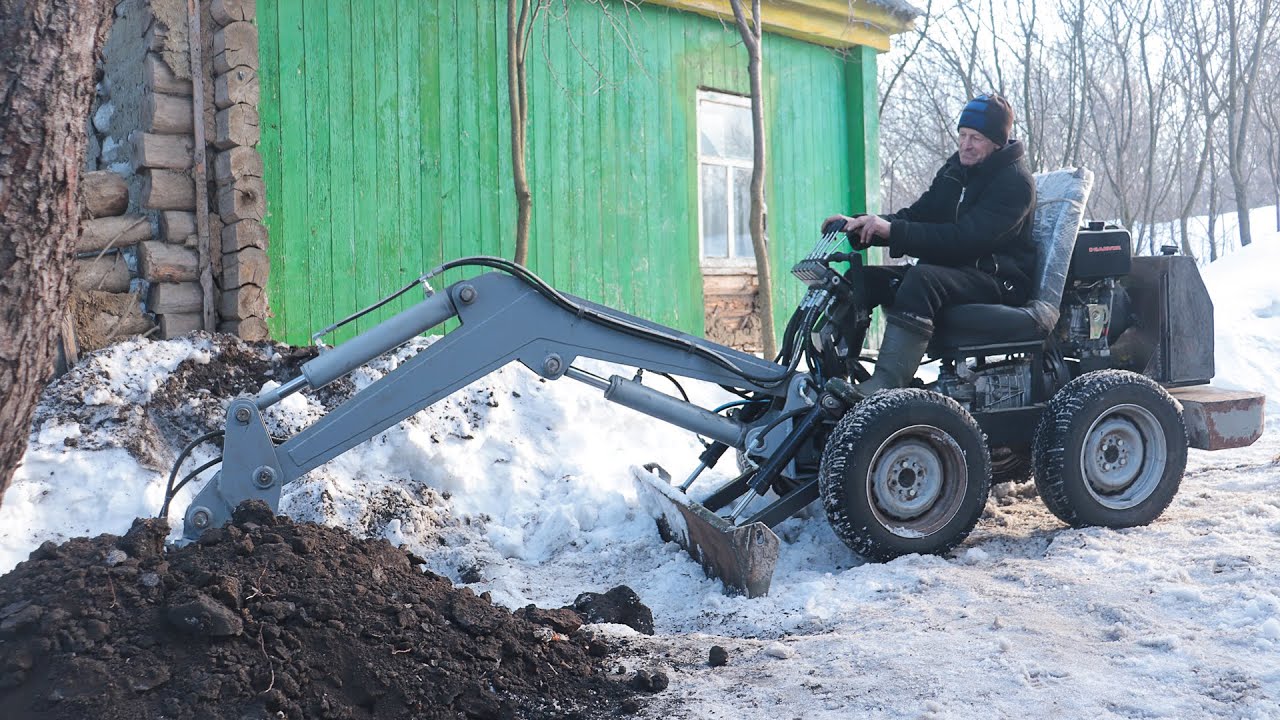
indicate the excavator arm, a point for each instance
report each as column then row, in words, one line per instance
column 503, row 318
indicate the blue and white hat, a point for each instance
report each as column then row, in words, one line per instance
column 990, row 115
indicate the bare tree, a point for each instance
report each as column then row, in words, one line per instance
column 1193, row 42
column 1028, row 63
column 521, row 16
column 1162, row 98
column 751, row 30
column 47, row 52
column 1077, row 81
column 1214, row 194
column 906, row 60
column 1269, row 115
column 1249, row 28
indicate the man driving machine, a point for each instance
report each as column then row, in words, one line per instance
column 970, row 232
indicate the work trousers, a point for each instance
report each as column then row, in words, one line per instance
column 922, row 290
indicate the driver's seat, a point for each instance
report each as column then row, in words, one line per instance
column 966, row 330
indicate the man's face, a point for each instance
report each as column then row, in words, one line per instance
column 974, row 147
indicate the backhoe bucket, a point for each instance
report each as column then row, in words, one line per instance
column 742, row 557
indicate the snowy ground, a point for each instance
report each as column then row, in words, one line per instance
column 522, row 488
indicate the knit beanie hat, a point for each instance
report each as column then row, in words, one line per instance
column 990, row 115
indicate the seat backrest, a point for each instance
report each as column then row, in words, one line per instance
column 1060, row 199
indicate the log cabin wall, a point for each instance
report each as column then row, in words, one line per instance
column 140, row 258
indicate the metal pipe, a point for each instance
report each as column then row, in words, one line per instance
column 684, row 486
column 596, row 382
column 709, row 457
column 270, row 397
column 385, row 336
column 675, row 411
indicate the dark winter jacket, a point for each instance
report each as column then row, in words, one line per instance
column 980, row 215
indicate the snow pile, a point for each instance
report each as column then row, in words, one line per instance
column 91, row 463
column 1246, row 317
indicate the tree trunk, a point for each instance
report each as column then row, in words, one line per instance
column 47, row 50
column 521, row 15
column 1238, row 186
column 751, row 38
column 1213, row 208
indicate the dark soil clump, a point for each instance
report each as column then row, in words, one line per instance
column 269, row 618
column 620, row 605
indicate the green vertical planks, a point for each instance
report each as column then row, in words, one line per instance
column 571, row 245
column 428, row 122
column 408, row 146
column 661, row 173
column 386, row 141
column 344, row 251
column 505, row 221
column 364, row 159
column 863, row 128
column 557, row 242
column 447, row 191
column 466, row 187
column 487, row 71
column 269, row 148
column 632, row 245
column 319, row 228
column 293, row 262
column 386, row 226
column 609, row 141
column 587, row 216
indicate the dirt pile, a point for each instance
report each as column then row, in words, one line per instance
column 269, row 618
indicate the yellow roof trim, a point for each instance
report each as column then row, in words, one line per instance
column 834, row 23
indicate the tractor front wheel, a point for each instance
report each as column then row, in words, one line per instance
column 905, row 471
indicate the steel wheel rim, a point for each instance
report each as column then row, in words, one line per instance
column 1123, row 457
column 917, row 480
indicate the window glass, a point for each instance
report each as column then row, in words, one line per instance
column 724, row 130
column 715, row 212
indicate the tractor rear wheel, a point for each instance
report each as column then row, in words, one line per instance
column 1110, row 450
column 905, row 471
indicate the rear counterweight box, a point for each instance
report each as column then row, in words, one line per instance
column 1102, row 251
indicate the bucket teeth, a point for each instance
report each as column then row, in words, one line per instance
column 742, row 557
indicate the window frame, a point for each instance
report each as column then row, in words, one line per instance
column 733, row 263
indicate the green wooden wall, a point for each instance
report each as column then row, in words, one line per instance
column 386, row 140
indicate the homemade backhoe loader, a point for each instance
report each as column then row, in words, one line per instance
column 1077, row 387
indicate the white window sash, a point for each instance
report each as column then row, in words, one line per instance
column 729, row 164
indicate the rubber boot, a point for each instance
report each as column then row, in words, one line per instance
column 905, row 339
